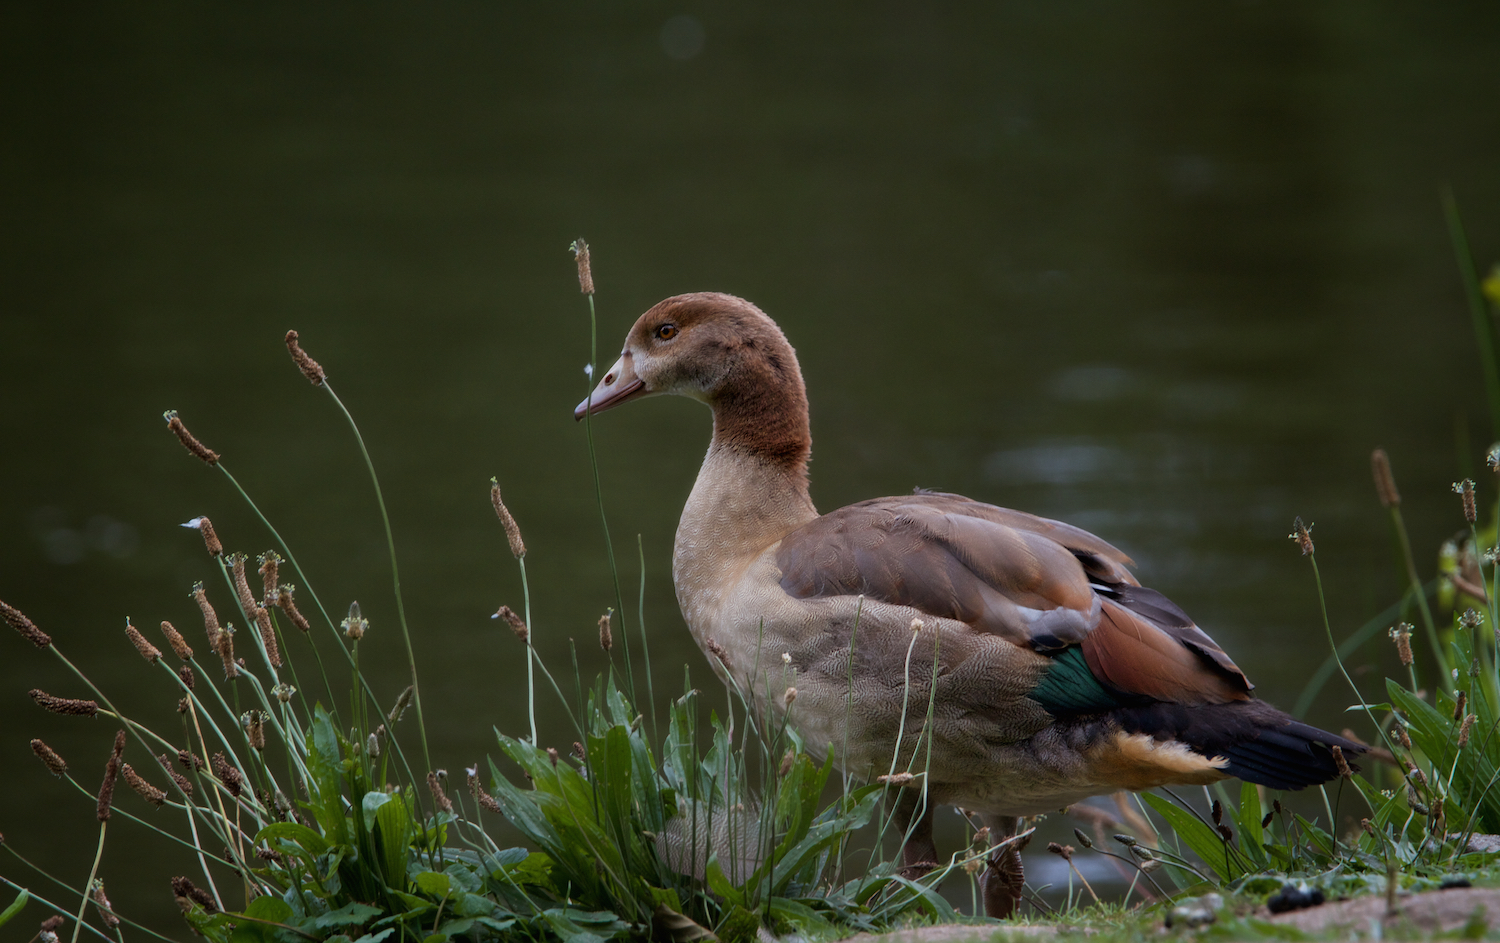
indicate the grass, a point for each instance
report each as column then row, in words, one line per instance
column 311, row 816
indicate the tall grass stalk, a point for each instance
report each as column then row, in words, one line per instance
column 390, row 543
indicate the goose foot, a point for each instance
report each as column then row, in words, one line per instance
column 919, row 853
column 1003, row 876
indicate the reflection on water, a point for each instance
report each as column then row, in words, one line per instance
column 1167, row 277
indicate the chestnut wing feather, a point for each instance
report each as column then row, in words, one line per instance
column 1041, row 584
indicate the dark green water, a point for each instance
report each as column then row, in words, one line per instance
column 1169, row 274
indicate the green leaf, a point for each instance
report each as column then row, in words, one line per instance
column 345, row 916
column 325, row 768
column 299, row 835
column 434, row 884
column 371, row 805
column 270, row 908
column 1252, row 836
column 1206, row 843
column 15, row 907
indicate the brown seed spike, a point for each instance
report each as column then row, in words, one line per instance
column 508, row 615
column 512, row 529
column 185, row 892
column 148, row 651
column 269, row 562
column 69, row 706
column 402, row 703
column 438, row 795
column 1465, row 489
column 485, row 800
column 190, row 443
column 190, row 761
column 606, row 636
column 237, row 563
column 289, row 606
column 268, row 636
column 106, row 911
column 185, row 672
column 210, row 618
column 142, row 788
column 18, row 621
column 580, row 250
column 1385, row 482
column 49, row 758
column 1464, row 730
column 233, row 779
column 1302, row 534
column 306, row 364
column 1341, row 763
column 111, row 773
column 53, row 923
column 1401, row 635
column 180, row 648
column 182, row 783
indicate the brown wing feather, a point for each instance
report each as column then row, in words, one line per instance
column 1134, row 655
column 1039, row 583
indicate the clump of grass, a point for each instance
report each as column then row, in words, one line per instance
column 310, row 818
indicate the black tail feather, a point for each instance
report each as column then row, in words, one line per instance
column 1262, row 744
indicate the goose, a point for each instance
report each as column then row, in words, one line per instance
column 1012, row 662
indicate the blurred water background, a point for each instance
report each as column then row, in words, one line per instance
column 1167, row 272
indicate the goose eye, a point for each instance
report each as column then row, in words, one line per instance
column 666, row 332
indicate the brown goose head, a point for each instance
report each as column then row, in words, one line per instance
column 722, row 351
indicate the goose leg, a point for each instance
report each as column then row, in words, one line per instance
column 1003, row 877
column 919, row 853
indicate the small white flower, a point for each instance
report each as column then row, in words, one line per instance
column 786, row 658
column 194, row 524
column 588, row 370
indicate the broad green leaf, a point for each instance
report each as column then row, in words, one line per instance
column 434, row 884
column 371, row 805
column 348, row 915
column 299, row 835
column 1206, row 843
column 325, row 768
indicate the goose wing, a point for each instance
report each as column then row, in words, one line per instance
column 1038, row 583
